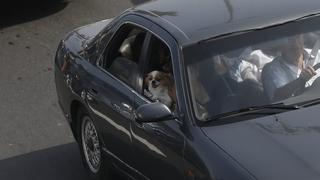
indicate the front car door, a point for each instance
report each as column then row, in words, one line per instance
column 158, row 147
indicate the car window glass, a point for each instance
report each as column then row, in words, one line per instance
column 123, row 53
column 280, row 70
column 158, row 84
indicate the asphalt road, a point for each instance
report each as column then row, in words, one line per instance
column 35, row 140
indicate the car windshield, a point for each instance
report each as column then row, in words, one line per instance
column 254, row 69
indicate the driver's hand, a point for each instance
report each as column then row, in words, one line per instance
column 307, row 73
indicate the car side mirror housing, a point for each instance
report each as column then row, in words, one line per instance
column 153, row 112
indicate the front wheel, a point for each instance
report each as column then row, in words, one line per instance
column 90, row 146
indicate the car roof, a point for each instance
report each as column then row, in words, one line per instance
column 191, row 21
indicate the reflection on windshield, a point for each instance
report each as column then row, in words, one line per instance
column 255, row 75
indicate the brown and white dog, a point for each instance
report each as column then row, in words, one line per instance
column 160, row 87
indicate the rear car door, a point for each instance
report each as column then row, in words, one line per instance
column 110, row 92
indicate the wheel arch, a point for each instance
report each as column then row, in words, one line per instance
column 75, row 106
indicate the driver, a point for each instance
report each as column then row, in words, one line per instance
column 288, row 73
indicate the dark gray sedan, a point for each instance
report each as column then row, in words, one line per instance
column 206, row 90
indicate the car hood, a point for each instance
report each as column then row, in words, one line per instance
column 90, row 31
column 283, row 146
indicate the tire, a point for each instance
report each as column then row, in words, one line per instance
column 90, row 147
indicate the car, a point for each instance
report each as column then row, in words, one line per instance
column 206, row 90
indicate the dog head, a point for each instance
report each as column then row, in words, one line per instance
column 157, row 80
column 160, row 86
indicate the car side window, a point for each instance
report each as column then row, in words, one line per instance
column 158, row 84
column 123, row 53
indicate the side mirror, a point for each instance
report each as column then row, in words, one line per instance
column 153, row 112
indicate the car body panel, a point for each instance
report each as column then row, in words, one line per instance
column 72, row 48
column 198, row 21
column 107, row 99
column 284, row 146
column 91, row 30
column 67, row 49
column 207, row 160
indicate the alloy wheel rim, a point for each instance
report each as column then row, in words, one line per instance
column 90, row 144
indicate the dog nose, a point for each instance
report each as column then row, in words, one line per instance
column 153, row 82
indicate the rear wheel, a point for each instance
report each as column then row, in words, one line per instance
column 90, row 146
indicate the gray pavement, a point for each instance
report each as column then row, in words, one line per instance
column 35, row 139
column 55, row 163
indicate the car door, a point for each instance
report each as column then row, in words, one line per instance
column 110, row 93
column 158, row 147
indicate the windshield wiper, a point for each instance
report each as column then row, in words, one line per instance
column 310, row 103
column 253, row 110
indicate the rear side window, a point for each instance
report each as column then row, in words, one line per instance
column 123, row 53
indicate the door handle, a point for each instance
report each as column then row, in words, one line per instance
column 91, row 94
column 123, row 106
column 115, row 106
column 68, row 80
column 126, row 107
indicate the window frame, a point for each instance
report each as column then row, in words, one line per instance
column 137, row 21
column 162, row 35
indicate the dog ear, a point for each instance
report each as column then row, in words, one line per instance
column 167, row 67
column 146, row 79
column 169, row 76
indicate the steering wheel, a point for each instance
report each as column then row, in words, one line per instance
column 316, row 82
column 312, row 57
column 316, row 66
